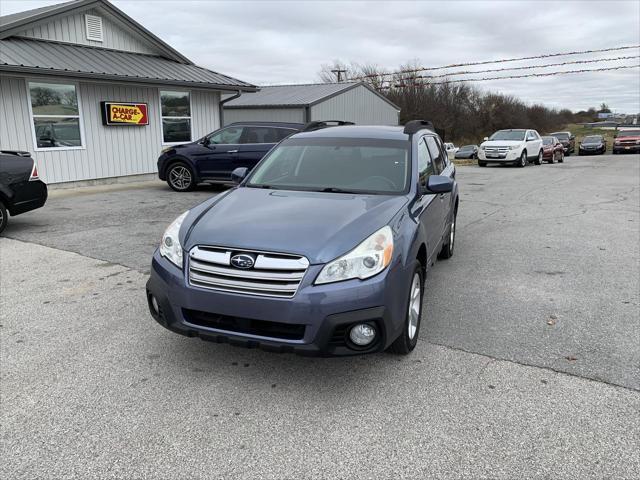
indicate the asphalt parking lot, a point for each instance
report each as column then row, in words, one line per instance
column 528, row 364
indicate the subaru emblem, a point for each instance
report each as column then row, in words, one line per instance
column 242, row 260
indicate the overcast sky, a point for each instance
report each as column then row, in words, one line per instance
column 276, row 42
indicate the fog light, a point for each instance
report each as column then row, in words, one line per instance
column 362, row 334
column 154, row 304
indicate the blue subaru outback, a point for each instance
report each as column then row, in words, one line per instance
column 321, row 249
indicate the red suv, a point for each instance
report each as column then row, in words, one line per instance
column 627, row 141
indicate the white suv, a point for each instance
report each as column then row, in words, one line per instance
column 518, row 147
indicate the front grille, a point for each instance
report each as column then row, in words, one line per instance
column 496, row 150
column 272, row 274
column 249, row 326
column 627, row 142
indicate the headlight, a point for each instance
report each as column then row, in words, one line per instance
column 170, row 247
column 370, row 257
column 482, row 147
column 514, row 147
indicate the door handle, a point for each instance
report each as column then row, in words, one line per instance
column 232, row 151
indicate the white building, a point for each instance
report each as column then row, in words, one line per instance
column 94, row 95
column 351, row 101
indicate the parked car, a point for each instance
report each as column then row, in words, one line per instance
column 322, row 249
column 467, row 152
column 21, row 190
column 627, row 141
column 593, row 145
column 517, row 146
column 552, row 150
column 568, row 141
column 451, row 149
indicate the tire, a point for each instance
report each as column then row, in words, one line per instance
column 447, row 248
column 408, row 339
column 482, row 164
column 180, row 177
column 539, row 160
column 523, row 160
column 561, row 159
column 4, row 217
column 553, row 158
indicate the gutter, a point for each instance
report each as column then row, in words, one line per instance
column 221, row 105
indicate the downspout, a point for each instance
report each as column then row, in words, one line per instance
column 221, row 106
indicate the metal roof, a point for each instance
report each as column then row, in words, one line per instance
column 52, row 58
column 296, row 95
column 15, row 23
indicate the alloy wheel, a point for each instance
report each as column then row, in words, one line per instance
column 180, row 177
column 414, row 306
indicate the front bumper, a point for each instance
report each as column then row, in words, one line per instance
column 316, row 320
column 626, row 148
column 510, row 156
column 29, row 195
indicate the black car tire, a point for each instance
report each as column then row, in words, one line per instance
column 539, row 159
column 561, row 159
column 4, row 217
column 447, row 248
column 522, row 162
column 482, row 164
column 404, row 344
column 180, row 177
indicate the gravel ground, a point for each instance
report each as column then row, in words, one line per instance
column 91, row 387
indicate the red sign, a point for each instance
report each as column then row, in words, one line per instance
column 119, row 113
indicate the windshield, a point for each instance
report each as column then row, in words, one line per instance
column 547, row 140
column 561, row 135
column 468, row 147
column 341, row 165
column 592, row 139
column 517, row 135
column 629, row 133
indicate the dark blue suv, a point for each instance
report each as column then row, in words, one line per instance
column 322, row 249
column 215, row 156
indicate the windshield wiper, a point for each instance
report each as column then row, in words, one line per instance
column 336, row 190
column 258, row 185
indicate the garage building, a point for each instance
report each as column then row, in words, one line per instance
column 350, row 101
column 94, row 95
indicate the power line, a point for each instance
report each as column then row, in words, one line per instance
column 529, row 67
column 469, row 64
column 509, row 77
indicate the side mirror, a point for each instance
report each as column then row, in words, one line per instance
column 239, row 174
column 204, row 141
column 486, row 139
column 439, row 184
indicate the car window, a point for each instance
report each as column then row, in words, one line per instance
column 436, row 154
column 261, row 135
column 425, row 164
column 283, row 133
column 229, row 135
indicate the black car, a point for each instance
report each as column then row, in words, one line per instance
column 467, row 152
column 593, row 145
column 215, row 156
column 21, row 190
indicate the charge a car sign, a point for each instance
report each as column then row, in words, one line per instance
column 119, row 113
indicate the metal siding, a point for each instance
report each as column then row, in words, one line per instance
column 289, row 95
column 358, row 105
column 295, row 115
column 71, row 29
column 108, row 151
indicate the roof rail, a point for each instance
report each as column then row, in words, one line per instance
column 414, row 126
column 317, row 125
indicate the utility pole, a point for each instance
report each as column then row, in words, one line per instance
column 339, row 72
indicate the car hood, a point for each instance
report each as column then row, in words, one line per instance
column 502, row 143
column 320, row 226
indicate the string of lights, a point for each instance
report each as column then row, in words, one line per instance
column 509, row 77
column 488, row 62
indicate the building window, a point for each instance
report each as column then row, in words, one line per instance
column 56, row 115
column 176, row 116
